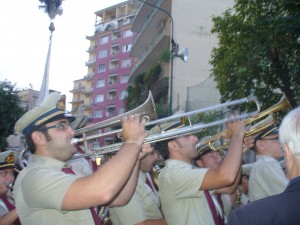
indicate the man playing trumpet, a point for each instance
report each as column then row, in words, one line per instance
column 266, row 177
column 48, row 192
column 182, row 186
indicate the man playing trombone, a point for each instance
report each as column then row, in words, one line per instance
column 182, row 186
column 48, row 192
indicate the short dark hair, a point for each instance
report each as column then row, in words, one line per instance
column 30, row 144
column 162, row 148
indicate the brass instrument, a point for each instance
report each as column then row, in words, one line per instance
column 281, row 105
column 191, row 128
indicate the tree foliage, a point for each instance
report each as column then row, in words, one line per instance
column 10, row 111
column 142, row 84
column 259, row 49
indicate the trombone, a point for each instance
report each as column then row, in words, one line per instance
column 281, row 105
column 190, row 129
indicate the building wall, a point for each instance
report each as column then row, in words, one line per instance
column 192, row 23
column 106, row 73
column 192, row 30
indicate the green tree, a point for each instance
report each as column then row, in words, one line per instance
column 259, row 49
column 10, row 111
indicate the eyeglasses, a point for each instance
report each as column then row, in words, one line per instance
column 6, row 173
column 60, row 126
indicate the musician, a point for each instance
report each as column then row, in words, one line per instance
column 221, row 197
column 267, row 177
column 47, row 192
column 281, row 209
column 182, row 186
column 144, row 206
column 8, row 214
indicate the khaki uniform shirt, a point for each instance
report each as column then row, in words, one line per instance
column 144, row 205
column 181, row 200
column 39, row 191
column 266, row 178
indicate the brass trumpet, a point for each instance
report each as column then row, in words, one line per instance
column 281, row 105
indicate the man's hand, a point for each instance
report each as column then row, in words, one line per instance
column 235, row 128
column 146, row 149
column 133, row 129
column 248, row 143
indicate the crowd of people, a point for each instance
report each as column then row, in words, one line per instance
column 195, row 186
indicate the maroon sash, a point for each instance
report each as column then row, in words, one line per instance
column 97, row 220
column 10, row 207
column 216, row 216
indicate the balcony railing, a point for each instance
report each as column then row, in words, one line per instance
column 90, row 76
column 90, row 62
column 92, row 48
column 149, row 48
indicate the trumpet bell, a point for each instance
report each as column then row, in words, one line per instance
column 283, row 104
column 146, row 110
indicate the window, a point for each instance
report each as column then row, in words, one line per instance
column 127, row 33
column 126, row 63
column 115, row 35
column 111, row 111
column 100, row 83
column 101, row 68
column 103, row 54
column 123, row 95
column 124, row 78
column 115, row 50
column 111, row 95
column 112, row 79
column 103, row 40
column 127, row 48
column 98, row 113
column 113, row 64
column 99, row 98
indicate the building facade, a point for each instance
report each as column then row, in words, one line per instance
column 101, row 93
column 188, row 24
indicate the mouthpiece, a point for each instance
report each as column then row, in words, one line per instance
column 10, row 185
column 74, row 141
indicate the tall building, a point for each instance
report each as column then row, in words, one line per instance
column 174, row 25
column 101, row 93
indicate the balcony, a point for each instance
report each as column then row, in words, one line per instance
column 77, row 90
column 77, row 100
column 89, row 77
column 91, row 49
column 90, row 62
column 92, row 37
column 88, row 91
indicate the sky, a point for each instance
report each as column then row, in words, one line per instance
column 25, row 36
